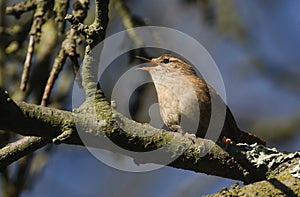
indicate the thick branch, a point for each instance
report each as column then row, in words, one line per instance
column 47, row 122
column 94, row 34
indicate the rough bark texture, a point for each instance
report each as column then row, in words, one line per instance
column 279, row 183
column 241, row 162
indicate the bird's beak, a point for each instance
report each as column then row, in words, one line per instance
column 145, row 68
column 148, row 60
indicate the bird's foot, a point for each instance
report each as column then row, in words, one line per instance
column 190, row 136
column 225, row 142
column 228, row 141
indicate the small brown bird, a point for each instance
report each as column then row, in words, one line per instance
column 185, row 100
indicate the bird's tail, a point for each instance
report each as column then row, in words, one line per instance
column 249, row 138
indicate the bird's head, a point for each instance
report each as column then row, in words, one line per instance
column 167, row 64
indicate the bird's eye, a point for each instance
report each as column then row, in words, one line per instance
column 165, row 61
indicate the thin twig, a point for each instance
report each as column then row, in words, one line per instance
column 27, row 63
column 2, row 32
column 57, row 66
column 20, row 148
column 129, row 21
column 35, row 35
column 20, row 8
column 68, row 49
column 61, row 8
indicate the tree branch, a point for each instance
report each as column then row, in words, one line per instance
column 14, row 151
column 241, row 162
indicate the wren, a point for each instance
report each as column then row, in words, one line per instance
column 185, row 100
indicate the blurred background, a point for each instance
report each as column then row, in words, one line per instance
column 255, row 45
